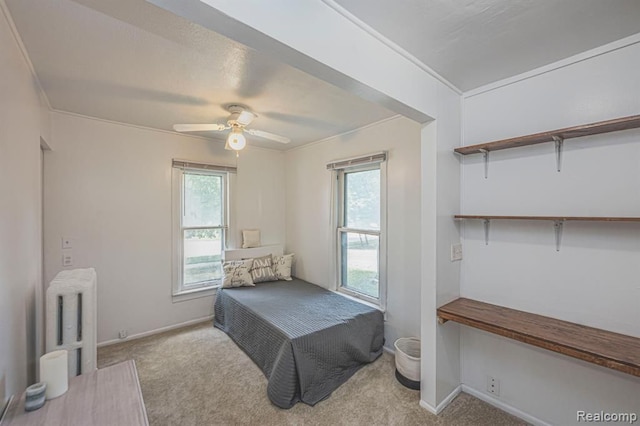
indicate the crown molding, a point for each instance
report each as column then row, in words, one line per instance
column 571, row 60
column 348, row 132
column 153, row 129
column 16, row 36
column 390, row 44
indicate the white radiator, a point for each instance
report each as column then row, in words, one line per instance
column 71, row 318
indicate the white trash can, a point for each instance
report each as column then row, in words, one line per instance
column 408, row 362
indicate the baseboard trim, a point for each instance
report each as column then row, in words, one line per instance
column 504, row 406
column 156, row 331
column 389, row 350
column 437, row 410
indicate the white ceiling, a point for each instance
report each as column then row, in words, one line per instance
column 475, row 42
column 131, row 62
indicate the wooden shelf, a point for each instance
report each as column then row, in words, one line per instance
column 625, row 123
column 604, row 348
column 557, row 220
column 551, row 218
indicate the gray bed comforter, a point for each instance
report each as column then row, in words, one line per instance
column 307, row 340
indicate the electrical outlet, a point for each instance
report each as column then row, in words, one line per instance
column 67, row 258
column 123, row 334
column 456, row 252
column 493, row 386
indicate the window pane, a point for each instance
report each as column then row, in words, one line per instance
column 202, row 254
column 202, row 200
column 360, row 263
column 362, row 200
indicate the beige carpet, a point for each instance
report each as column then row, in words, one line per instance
column 198, row 376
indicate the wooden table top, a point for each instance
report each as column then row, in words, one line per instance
column 105, row 397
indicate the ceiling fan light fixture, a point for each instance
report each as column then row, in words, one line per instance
column 236, row 139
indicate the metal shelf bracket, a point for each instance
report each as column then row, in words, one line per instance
column 486, row 232
column 557, row 227
column 559, row 145
column 485, row 156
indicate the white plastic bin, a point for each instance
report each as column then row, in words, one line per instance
column 408, row 361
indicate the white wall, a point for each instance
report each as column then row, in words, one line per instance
column 108, row 187
column 308, row 194
column 447, row 272
column 440, row 374
column 593, row 280
column 20, row 217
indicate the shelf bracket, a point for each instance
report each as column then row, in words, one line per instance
column 557, row 227
column 486, row 232
column 485, row 156
column 559, row 144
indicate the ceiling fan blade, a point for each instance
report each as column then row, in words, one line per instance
column 199, row 127
column 267, row 135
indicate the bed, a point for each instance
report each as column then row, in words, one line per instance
column 306, row 340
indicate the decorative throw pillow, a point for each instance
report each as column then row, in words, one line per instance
column 250, row 238
column 282, row 266
column 262, row 269
column 237, row 273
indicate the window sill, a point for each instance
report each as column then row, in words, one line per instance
column 359, row 300
column 194, row 294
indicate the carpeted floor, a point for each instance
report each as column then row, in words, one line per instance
column 198, row 376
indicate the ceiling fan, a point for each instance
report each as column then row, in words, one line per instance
column 239, row 118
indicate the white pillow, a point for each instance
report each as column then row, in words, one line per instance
column 282, row 266
column 250, row 238
column 236, row 274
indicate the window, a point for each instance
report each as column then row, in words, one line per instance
column 360, row 232
column 200, row 226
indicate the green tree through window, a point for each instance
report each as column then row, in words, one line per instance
column 202, row 228
column 359, row 231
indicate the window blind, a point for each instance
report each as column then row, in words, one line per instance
column 183, row 164
column 378, row 157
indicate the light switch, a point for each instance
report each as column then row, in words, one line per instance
column 66, row 243
column 456, row 252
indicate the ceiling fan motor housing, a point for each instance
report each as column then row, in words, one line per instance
column 240, row 116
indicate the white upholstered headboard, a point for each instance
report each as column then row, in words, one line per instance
column 239, row 254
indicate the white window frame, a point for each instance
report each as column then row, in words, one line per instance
column 180, row 292
column 381, row 301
